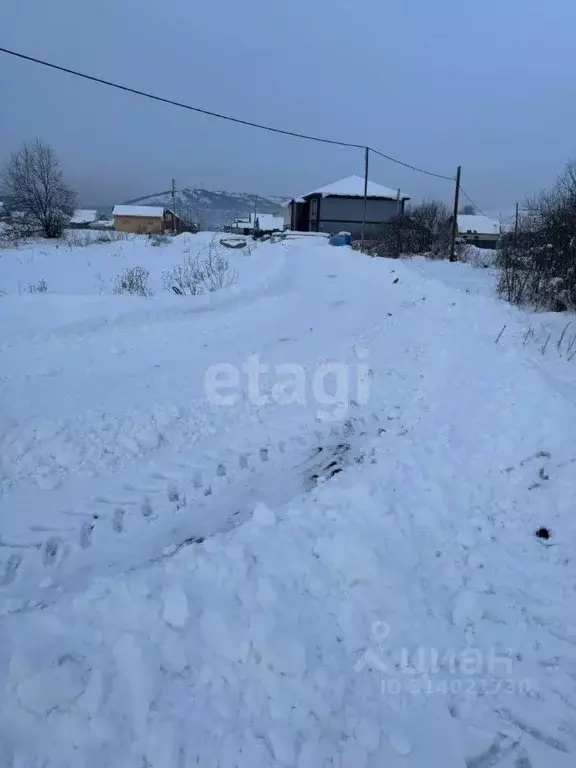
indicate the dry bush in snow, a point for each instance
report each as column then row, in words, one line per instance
column 16, row 228
column 206, row 272
column 105, row 236
column 133, row 280
column 477, row 257
column 217, row 271
column 423, row 229
column 185, row 278
column 81, row 239
column 40, row 287
column 158, row 239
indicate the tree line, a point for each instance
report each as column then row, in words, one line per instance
column 538, row 260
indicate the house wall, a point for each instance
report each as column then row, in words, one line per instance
column 339, row 214
column 82, row 225
column 480, row 240
column 144, row 225
column 172, row 222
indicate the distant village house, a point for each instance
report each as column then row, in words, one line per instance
column 146, row 219
column 83, row 219
column 478, row 230
column 259, row 222
column 339, row 207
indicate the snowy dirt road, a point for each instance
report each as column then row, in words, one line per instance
column 184, row 582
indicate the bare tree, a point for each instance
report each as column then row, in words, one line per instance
column 430, row 227
column 468, row 210
column 34, row 188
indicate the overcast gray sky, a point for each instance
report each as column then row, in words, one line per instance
column 490, row 85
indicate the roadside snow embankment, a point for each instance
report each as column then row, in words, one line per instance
column 107, row 349
column 81, row 281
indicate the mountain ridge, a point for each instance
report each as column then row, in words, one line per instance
column 214, row 208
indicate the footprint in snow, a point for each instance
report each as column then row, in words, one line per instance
column 11, row 569
column 176, row 498
column 118, row 520
column 86, row 533
column 146, row 508
column 51, row 550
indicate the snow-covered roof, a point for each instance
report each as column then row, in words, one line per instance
column 267, row 221
column 353, row 186
column 479, row 225
column 84, row 216
column 156, row 211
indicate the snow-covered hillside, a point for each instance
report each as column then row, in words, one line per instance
column 290, row 523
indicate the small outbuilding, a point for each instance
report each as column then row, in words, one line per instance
column 478, row 230
column 83, row 218
column 339, row 207
column 146, row 219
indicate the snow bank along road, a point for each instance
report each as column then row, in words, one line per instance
column 190, row 583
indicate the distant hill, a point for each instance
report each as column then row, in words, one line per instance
column 215, row 209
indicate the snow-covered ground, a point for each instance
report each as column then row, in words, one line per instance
column 82, row 265
column 330, row 561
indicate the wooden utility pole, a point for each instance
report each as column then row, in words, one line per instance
column 455, row 219
column 173, row 205
column 516, row 226
column 366, row 160
column 398, row 225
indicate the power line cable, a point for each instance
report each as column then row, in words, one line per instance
column 218, row 115
column 467, row 196
column 178, row 103
column 412, row 167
